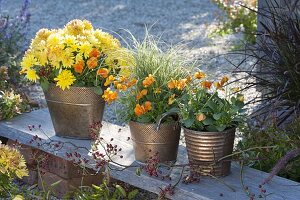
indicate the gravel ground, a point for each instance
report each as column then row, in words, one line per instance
column 187, row 22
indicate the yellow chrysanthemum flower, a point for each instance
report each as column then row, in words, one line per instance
column 85, row 49
column 65, row 79
column 75, row 27
column 54, row 40
column 31, row 75
column 28, row 61
column 67, row 58
column 12, row 162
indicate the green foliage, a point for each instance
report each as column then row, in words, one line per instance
column 164, row 63
column 104, row 192
column 275, row 72
column 284, row 141
column 240, row 18
column 204, row 111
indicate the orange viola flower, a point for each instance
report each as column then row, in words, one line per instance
column 206, row 84
column 181, row 84
column 121, row 86
column 148, row 81
column 139, row 110
column 172, row 84
column 142, row 109
column 141, row 94
column 78, row 67
column 109, row 96
column 200, row 117
column 92, row 62
column 224, row 80
column 103, row 72
column 148, row 106
column 218, row 85
column 95, row 53
column 132, row 82
column 109, row 80
column 188, row 79
column 200, row 75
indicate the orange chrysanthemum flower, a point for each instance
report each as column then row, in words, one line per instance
column 78, row 67
column 95, row 53
column 92, row 62
column 206, row 84
column 148, row 81
column 103, row 72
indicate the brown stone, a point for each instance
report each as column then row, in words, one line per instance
column 63, row 168
column 66, row 186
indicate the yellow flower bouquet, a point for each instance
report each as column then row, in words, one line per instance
column 73, row 65
column 76, row 55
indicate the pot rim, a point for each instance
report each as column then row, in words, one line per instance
column 155, row 123
column 210, row 132
column 82, row 87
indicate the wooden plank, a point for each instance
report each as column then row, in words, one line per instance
column 208, row 188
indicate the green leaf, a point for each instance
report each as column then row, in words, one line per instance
column 188, row 122
column 138, row 171
column 44, row 84
column 217, row 116
column 212, row 105
column 56, row 183
column 121, row 190
column 132, row 194
column 221, row 128
column 208, row 121
column 211, row 128
column 98, row 90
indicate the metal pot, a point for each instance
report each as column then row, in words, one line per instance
column 206, row 148
column 74, row 110
column 147, row 140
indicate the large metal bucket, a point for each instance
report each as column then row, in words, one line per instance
column 147, row 141
column 74, row 110
column 206, row 148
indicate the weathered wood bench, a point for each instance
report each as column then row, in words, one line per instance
column 208, row 188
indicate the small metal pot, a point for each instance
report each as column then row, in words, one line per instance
column 74, row 110
column 147, row 141
column 206, row 148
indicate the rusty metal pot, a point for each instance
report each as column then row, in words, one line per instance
column 205, row 149
column 147, row 140
column 74, row 110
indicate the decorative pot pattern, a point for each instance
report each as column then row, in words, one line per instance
column 74, row 110
column 147, row 141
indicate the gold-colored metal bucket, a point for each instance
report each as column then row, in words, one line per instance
column 147, row 140
column 74, row 110
column 206, row 148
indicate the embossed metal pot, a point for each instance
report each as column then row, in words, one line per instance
column 74, row 110
column 147, row 140
column 206, row 148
